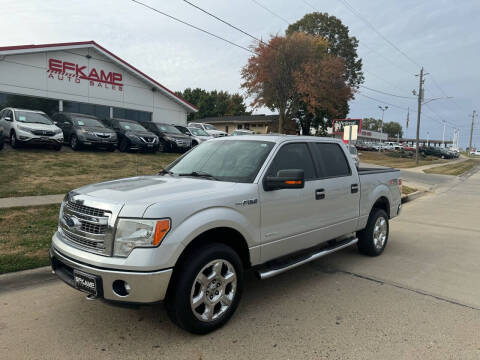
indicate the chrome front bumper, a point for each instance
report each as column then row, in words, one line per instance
column 145, row 287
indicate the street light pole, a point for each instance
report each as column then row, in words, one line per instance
column 383, row 109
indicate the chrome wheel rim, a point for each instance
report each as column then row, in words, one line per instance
column 213, row 290
column 380, row 233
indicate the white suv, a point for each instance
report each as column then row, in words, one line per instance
column 209, row 128
column 27, row 126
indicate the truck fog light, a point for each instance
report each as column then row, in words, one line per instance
column 121, row 288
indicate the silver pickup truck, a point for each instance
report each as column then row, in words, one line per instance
column 187, row 234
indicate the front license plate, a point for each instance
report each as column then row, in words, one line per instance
column 85, row 282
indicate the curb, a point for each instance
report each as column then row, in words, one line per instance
column 21, row 279
column 413, row 196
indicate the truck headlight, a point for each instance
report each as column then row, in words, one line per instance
column 134, row 233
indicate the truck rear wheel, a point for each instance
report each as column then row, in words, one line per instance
column 206, row 289
column 373, row 239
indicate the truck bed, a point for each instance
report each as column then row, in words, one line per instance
column 369, row 171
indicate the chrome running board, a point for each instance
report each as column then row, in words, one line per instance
column 268, row 272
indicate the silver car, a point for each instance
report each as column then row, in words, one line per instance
column 198, row 135
column 23, row 126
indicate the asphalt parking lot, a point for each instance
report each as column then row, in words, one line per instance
column 419, row 300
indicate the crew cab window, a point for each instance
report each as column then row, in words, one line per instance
column 293, row 156
column 331, row 160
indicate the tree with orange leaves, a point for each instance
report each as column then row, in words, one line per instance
column 291, row 71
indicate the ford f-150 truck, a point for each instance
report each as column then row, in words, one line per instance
column 187, row 234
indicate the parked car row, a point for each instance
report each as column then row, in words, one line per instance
column 79, row 131
column 22, row 126
column 444, row 153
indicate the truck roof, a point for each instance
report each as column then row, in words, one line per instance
column 278, row 138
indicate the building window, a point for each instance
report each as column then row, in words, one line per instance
column 137, row 115
column 99, row 111
column 49, row 106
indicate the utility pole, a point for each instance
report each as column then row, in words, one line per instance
column 443, row 136
column 419, row 112
column 471, row 132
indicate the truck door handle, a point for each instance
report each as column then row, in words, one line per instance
column 354, row 188
column 319, row 194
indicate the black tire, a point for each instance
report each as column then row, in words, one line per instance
column 1, row 144
column 184, row 278
column 74, row 143
column 369, row 242
column 123, row 146
column 111, row 148
column 57, row 147
column 194, row 143
column 14, row 143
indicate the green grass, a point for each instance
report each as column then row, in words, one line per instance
column 457, row 169
column 25, row 236
column 31, row 171
column 390, row 160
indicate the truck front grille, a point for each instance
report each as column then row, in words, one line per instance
column 87, row 210
column 87, row 228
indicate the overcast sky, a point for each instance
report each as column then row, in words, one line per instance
column 441, row 35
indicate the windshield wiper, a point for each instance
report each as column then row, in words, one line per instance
column 199, row 174
column 163, row 172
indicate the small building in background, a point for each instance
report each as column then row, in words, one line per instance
column 259, row 124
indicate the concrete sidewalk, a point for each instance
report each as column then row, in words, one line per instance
column 31, row 200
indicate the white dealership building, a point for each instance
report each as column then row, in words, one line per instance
column 86, row 78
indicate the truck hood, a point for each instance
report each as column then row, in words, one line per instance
column 136, row 194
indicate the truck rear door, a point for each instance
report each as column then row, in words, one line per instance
column 337, row 190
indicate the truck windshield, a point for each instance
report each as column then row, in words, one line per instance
column 232, row 160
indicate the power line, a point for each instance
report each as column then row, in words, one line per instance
column 192, row 26
column 384, row 102
column 370, row 25
column 225, row 22
column 271, row 12
column 385, row 80
column 386, row 93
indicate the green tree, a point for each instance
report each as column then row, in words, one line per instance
column 393, row 129
column 213, row 103
column 340, row 44
column 371, row 124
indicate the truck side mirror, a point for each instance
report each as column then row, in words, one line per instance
column 8, row 118
column 285, row 179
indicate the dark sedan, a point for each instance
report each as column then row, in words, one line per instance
column 171, row 139
column 133, row 136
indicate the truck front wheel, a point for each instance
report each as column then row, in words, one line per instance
column 373, row 239
column 206, row 289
